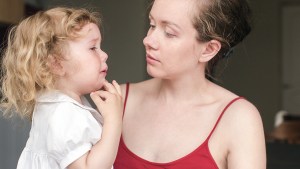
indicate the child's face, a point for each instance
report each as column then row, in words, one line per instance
column 85, row 65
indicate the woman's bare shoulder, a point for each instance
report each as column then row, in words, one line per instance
column 139, row 90
column 242, row 121
column 239, row 108
column 242, row 108
column 242, row 114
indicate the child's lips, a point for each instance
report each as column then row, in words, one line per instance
column 104, row 70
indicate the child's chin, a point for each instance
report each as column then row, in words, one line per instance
column 100, row 87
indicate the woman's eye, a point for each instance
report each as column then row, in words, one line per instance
column 170, row 35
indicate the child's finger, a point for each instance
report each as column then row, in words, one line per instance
column 99, row 98
column 117, row 86
column 109, row 87
column 101, row 94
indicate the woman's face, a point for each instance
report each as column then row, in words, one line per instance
column 171, row 46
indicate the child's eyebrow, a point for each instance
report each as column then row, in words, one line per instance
column 94, row 40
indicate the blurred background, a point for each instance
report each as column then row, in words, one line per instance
column 264, row 68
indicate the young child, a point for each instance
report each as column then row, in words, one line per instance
column 52, row 60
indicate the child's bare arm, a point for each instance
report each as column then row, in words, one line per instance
column 103, row 153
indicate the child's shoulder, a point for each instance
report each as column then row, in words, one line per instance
column 59, row 108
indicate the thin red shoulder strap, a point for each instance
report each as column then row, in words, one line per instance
column 224, row 110
column 126, row 96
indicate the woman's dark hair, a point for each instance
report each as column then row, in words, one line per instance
column 228, row 21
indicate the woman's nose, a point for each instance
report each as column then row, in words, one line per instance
column 150, row 41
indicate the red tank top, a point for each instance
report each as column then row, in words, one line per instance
column 200, row 158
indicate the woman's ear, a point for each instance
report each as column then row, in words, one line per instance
column 56, row 66
column 210, row 50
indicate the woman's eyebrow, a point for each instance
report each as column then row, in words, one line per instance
column 166, row 22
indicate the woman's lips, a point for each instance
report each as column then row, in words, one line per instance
column 150, row 59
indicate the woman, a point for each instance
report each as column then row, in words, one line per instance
column 179, row 119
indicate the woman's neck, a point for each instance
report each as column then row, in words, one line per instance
column 183, row 90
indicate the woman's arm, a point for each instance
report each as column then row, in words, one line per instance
column 247, row 145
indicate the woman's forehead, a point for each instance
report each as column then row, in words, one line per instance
column 178, row 11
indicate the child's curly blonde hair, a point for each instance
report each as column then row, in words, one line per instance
column 25, row 66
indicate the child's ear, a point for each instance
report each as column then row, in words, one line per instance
column 55, row 65
column 210, row 50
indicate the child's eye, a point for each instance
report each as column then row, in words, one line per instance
column 152, row 26
column 93, row 48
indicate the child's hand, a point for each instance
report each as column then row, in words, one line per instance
column 109, row 101
column 103, row 153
